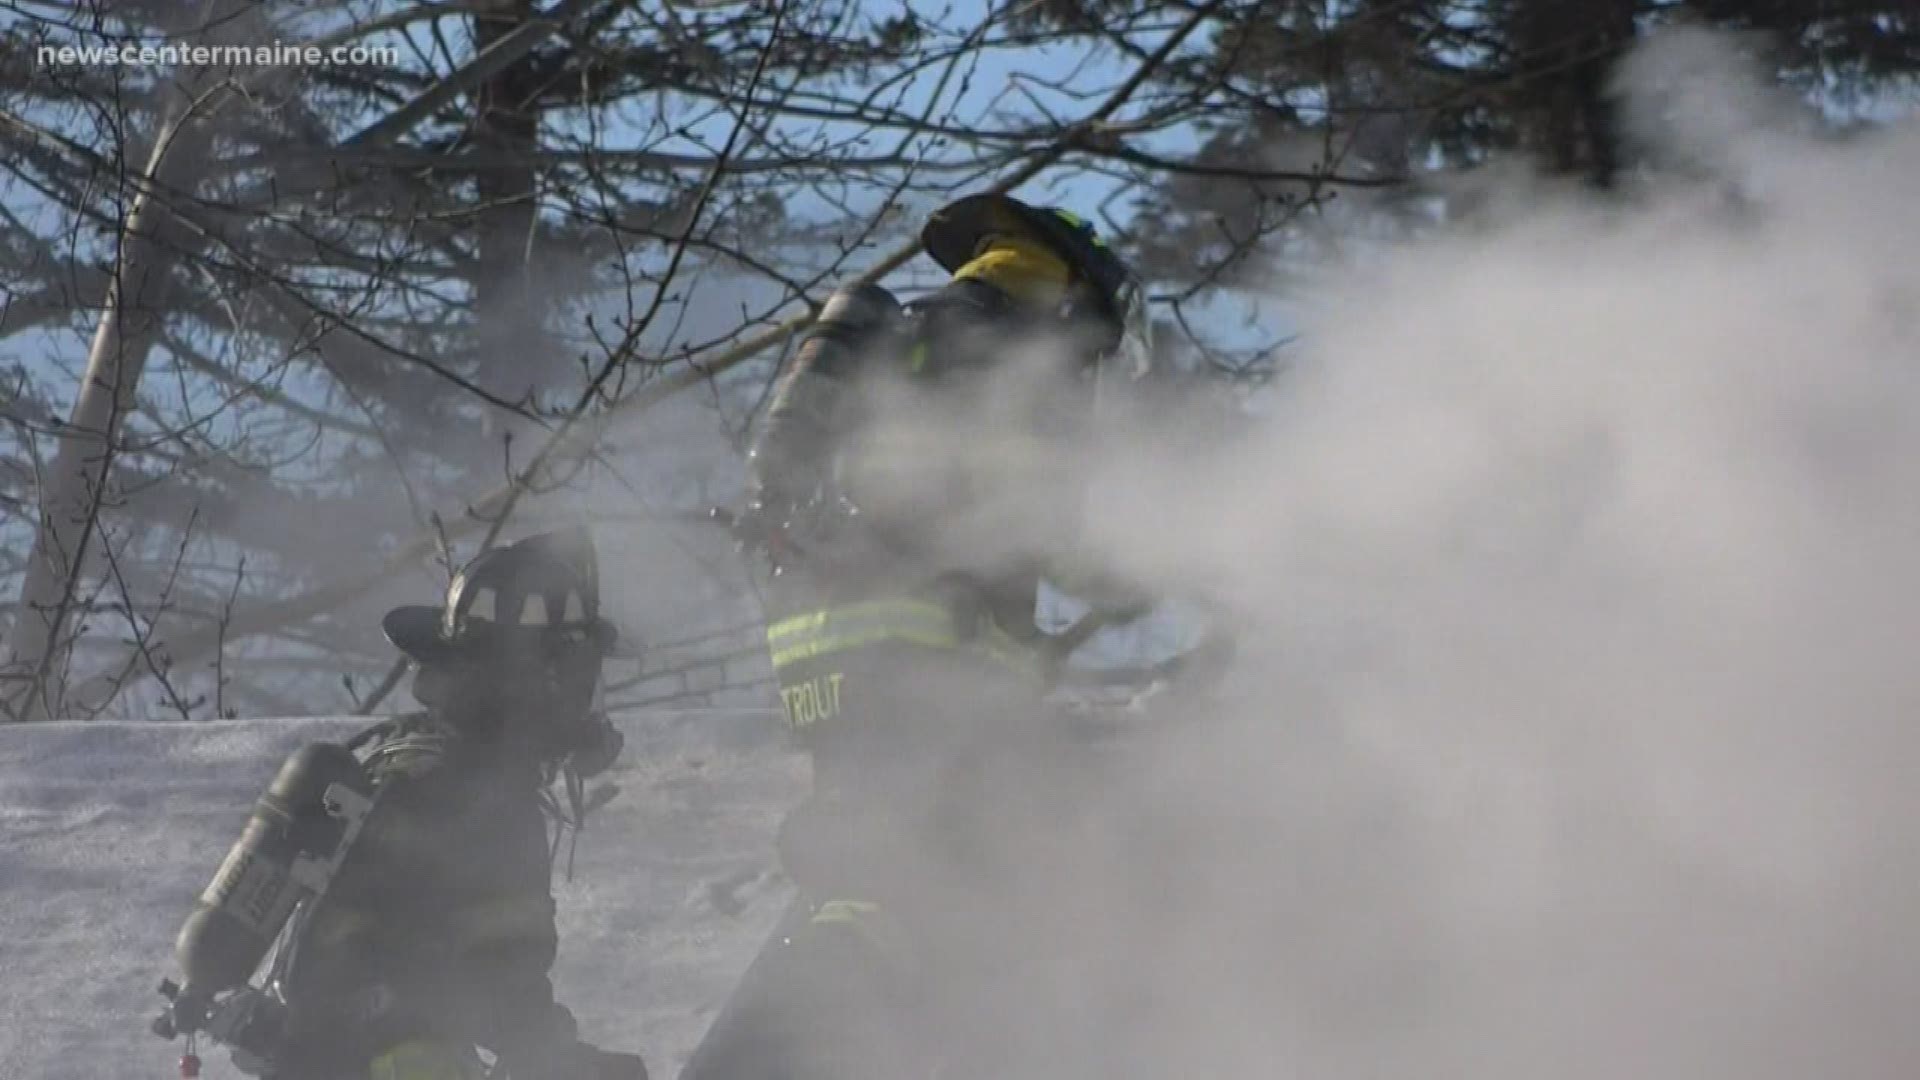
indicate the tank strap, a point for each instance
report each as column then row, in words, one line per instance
column 371, row 734
column 393, row 752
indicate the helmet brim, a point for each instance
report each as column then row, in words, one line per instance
column 415, row 630
column 953, row 233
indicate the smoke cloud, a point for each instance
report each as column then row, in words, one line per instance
column 1578, row 574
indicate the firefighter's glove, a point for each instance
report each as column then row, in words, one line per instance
column 759, row 528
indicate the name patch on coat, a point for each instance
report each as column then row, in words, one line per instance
column 812, row 701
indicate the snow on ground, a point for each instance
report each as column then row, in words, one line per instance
column 109, row 830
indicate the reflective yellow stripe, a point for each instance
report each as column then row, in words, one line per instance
column 871, row 922
column 823, row 633
column 422, row 1060
column 1080, row 223
column 999, row 645
column 913, row 622
column 919, row 613
column 827, row 645
column 844, row 911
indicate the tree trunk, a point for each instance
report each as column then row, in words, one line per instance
column 510, row 302
column 1567, row 50
column 75, row 489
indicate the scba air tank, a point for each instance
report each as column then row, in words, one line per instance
column 287, row 853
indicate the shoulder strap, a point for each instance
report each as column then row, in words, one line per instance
column 372, row 734
column 399, row 746
column 941, row 330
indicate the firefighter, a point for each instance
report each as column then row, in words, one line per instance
column 912, row 487
column 434, row 938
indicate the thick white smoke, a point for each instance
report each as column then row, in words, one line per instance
column 1574, row 733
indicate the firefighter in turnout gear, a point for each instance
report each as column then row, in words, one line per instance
column 911, row 488
column 433, row 938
